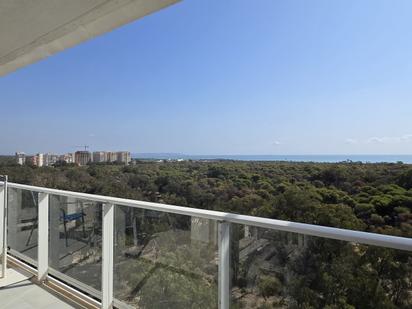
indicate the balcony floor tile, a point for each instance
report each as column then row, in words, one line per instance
column 17, row 291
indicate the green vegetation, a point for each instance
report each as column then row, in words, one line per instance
column 369, row 197
column 297, row 273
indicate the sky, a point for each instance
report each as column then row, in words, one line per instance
column 225, row 77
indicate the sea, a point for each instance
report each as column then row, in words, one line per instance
column 407, row 159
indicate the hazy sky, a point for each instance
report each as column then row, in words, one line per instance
column 226, row 77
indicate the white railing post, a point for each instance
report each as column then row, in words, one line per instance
column 43, row 236
column 3, row 227
column 107, row 256
column 224, row 265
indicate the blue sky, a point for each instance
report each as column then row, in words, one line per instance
column 226, row 77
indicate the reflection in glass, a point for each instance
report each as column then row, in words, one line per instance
column 164, row 260
column 76, row 238
column 273, row 269
column 23, row 223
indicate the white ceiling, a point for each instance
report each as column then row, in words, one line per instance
column 33, row 29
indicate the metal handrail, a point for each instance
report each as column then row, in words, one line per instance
column 387, row 241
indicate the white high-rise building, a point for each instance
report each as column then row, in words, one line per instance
column 68, row 158
column 123, row 157
column 36, row 160
column 50, row 159
column 40, row 159
column 20, row 158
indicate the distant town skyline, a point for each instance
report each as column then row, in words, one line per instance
column 225, row 77
column 80, row 157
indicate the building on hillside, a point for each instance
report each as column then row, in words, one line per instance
column 111, row 156
column 20, row 158
column 82, row 157
column 123, row 157
column 99, row 156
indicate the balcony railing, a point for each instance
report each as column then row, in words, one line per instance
column 129, row 253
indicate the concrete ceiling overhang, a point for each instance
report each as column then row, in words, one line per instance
column 34, row 29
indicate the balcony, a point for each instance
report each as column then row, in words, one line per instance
column 94, row 251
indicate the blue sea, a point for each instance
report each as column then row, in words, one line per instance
column 292, row 158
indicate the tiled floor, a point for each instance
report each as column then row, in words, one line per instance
column 18, row 292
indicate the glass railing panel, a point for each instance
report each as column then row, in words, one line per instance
column 75, row 241
column 164, row 260
column 273, row 269
column 22, row 236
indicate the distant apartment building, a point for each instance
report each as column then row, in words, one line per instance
column 68, row 158
column 79, row 157
column 123, row 157
column 111, row 156
column 82, row 157
column 50, row 159
column 20, row 158
column 100, row 156
column 36, row 160
column 40, row 159
column 46, row 159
